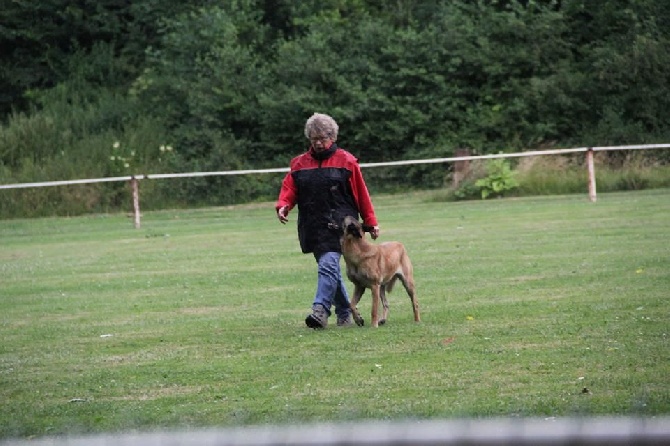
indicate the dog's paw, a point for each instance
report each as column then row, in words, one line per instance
column 360, row 321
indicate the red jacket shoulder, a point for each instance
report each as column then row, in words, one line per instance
column 347, row 156
column 302, row 161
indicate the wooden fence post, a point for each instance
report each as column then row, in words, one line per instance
column 461, row 168
column 134, row 184
column 592, row 175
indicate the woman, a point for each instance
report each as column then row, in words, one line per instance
column 327, row 184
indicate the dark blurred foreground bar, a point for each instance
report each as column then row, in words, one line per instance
column 512, row 431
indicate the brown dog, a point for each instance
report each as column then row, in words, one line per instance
column 375, row 266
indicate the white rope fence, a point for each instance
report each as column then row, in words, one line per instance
column 158, row 176
column 134, row 179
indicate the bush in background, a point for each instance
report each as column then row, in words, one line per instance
column 499, row 179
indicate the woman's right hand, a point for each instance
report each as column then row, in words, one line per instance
column 282, row 214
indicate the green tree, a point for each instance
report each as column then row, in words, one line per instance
column 203, row 81
column 623, row 63
column 37, row 39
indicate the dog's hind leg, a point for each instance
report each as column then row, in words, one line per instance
column 353, row 304
column 415, row 304
column 407, row 280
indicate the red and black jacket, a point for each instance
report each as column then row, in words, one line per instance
column 326, row 186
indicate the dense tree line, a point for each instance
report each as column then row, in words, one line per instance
column 103, row 87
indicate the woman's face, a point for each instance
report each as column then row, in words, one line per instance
column 320, row 143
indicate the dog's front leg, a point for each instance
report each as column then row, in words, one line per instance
column 358, row 292
column 385, row 305
column 375, row 304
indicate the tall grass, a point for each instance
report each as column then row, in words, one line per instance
column 75, row 142
column 568, row 174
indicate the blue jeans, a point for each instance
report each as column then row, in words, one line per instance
column 330, row 287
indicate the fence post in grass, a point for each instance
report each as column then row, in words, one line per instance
column 135, row 185
column 592, row 175
column 461, row 167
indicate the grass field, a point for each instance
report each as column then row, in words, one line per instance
column 548, row 306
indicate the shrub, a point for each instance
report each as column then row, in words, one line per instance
column 499, row 179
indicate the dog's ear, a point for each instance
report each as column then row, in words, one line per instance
column 354, row 229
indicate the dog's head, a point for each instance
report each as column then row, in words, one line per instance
column 352, row 227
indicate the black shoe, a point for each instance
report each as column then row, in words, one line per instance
column 319, row 317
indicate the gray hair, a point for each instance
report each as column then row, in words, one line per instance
column 320, row 125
